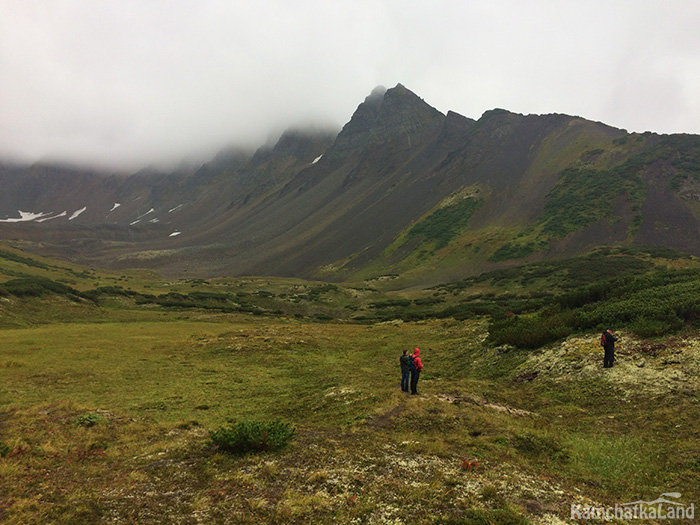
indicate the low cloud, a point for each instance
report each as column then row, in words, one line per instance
column 125, row 84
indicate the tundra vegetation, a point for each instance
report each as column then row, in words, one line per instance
column 128, row 398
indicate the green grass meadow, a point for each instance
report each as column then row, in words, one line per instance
column 107, row 402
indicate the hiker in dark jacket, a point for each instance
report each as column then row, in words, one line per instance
column 405, row 361
column 608, row 342
column 415, row 371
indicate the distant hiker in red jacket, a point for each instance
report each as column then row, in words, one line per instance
column 415, row 371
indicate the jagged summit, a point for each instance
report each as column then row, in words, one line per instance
column 404, row 112
column 385, row 115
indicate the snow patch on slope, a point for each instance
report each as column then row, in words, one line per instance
column 26, row 216
column 138, row 219
column 62, row 214
column 76, row 213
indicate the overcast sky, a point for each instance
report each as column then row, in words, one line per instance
column 126, row 83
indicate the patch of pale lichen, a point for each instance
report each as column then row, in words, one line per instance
column 659, row 367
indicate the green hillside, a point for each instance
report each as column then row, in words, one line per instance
column 634, row 190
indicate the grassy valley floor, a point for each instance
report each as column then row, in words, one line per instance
column 108, row 420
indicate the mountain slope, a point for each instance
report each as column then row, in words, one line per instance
column 402, row 188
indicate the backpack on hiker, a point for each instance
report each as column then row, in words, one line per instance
column 603, row 339
column 411, row 363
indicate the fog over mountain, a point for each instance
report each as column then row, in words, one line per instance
column 125, row 84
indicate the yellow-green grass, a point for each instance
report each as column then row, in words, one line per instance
column 155, row 382
column 167, row 369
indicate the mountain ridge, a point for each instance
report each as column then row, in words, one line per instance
column 512, row 188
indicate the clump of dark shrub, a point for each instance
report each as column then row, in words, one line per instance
column 174, row 299
column 205, row 300
column 530, row 331
column 4, row 254
column 314, row 294
column 244, row 437
column 654, row 327
column 424, row 301
column 213, row 297
column 390, row 303
column 110, row 291
column 516, row 251
column 661, row 252
column 584, row 295
column 463, row 311
column 39, row 287
column 146, row 298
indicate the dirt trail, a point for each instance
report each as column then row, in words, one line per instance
column 383, row 420
column 457, row 399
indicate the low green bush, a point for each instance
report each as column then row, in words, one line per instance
column 390, row 303
column 89, row 420
column 244, row 437
column 515, row 251
column 212, row 296
column 39, row 287
column 645, row 327
column 4, row 254
column 531, row 331
column 425, row 301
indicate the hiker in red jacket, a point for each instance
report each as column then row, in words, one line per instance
column 415, row 371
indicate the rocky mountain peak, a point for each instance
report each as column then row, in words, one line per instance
column 403, row 114
column 386, row 114
column 399, row 100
